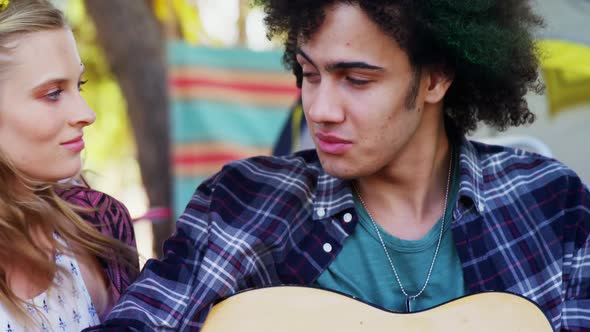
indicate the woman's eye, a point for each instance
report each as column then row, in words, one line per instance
column 80, row 85
column 54, row 95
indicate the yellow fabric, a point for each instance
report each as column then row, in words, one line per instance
column 296, row 123
column 4, row 4
column 185, row 13
column 190, row 21
column 566, row 69
column 162, row 10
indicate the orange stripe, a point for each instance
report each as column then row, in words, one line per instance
column 209, row 147
column 250, row 87
column 234, row 76
column 207, row 159
column 211, row 158
column 197, row 170
column 213, row 153
column 237, row 97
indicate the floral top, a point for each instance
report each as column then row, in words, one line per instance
column 66, row 307
column 109, row 217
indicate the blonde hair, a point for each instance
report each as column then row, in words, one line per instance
column 30, row 207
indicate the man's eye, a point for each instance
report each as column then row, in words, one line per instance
column 358, row 82
column 311, row 77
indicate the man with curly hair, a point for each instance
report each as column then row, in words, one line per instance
column 394, row 206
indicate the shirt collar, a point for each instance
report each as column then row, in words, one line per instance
column 471, row 182
column 333, row 196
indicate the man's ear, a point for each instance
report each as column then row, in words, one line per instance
column 439, row 81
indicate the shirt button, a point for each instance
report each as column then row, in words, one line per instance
column 327, row 247
column 347, row 217
column 481, row 207
column 321, row 212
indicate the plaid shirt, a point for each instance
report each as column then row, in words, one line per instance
column 521, row 224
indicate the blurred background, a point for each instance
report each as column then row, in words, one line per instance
column 181, row 87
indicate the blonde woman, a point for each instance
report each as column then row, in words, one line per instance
column 66, row 252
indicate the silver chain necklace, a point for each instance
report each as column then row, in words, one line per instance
column 410, row 298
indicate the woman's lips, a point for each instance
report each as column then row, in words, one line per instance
column 76, row 145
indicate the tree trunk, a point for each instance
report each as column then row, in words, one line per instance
column 134, row 47
column 242, row 18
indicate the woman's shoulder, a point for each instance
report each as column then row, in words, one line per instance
column 102, row 211
column 85, row 197
column 110, row 217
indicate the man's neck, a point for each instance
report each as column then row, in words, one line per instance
column 407, row 197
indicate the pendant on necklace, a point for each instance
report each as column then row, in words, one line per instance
column 408, row 307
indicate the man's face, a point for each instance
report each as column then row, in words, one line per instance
column 361, row 97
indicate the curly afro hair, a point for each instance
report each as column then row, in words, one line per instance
column 487, row 45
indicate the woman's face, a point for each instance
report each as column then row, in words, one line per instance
column 42, row 114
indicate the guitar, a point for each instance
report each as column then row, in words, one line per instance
column 298, row 309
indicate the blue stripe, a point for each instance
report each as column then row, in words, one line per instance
column 181, row 54
column 198, row 120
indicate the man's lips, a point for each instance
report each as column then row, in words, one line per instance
column 332, row 144
column 332, row 138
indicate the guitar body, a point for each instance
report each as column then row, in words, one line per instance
column 303, row 309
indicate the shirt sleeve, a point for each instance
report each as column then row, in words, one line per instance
column 576, row 310
column 176, row 293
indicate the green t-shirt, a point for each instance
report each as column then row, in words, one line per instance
column 362, row 270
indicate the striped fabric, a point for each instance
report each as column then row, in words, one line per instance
column 521, row 224
column 227, row 104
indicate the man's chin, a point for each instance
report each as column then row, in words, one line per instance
column 339, row 168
